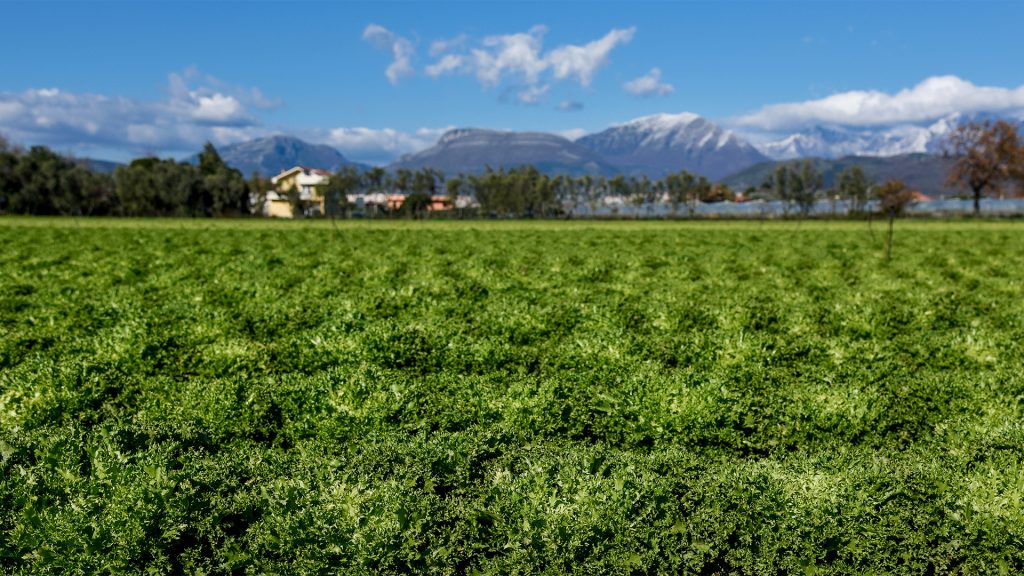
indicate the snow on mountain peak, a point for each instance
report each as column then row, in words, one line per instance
column 837, row 141
column 660, row 122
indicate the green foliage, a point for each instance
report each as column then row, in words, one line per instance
column 154, row 187
column 415, row 205
column 222, row 191
column 804, row 184
column 342, row 183
column 496, row 398
column 43, row 182
column 295, row 201
column 795, row 183
column 853, row 185
column 520, row 192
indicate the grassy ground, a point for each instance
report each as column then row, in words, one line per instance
column 647, row 398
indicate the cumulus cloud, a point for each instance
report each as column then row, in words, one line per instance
column 569, row 106
column 516, row 55
column 531, row 94
column 582, row 62
column 520, row 59
column 377, row 145
column 649, row 84
column 448, row 64
column 438, row 47
column 219, row 109
column 192, row 84
column 192, row 112
column 931, row 99
column 400, row 48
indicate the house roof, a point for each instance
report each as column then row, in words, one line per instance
column 303, row 169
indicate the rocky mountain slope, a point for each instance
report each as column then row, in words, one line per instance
column 663, row 143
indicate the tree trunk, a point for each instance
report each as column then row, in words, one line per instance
column 977, row 203
column 888, row 239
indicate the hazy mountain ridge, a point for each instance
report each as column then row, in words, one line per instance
column 270, row 155
column 472, row 150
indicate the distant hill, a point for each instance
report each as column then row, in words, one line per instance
column 657, row 145
column 101, row 166
column 273, row 154
column 472, row 150
column 923, row 172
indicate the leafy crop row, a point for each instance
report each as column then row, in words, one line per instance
column 510, row 398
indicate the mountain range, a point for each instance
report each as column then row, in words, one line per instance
column 474, row 150
column 649, row 146
column 825, row 141
column 274, row 154
column 839, row 141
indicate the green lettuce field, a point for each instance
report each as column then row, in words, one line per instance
column 229, row 397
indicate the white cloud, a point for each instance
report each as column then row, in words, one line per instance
column 448, row 64
column 582, row 62
column 191, row 113
column 218, row 108
column 377, row 145
column 10, row 109
column 193, row 84
column 520, row 60
column 649, row 84
column 511, row 54
column 931, row 99
column 401, row 51
column 569, row 106
column 532, row 94
column 438, row 47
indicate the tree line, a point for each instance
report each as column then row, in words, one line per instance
column 40, row 181
column 988, row 158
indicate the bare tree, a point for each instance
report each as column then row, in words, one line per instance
column 893, row 198
column 985, row 155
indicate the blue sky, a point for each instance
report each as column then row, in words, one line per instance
column 120, row 79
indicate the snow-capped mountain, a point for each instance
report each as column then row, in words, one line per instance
column 473, row 150
column 662, row 143
column 837, row 141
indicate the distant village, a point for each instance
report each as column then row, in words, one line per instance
column 308, row 183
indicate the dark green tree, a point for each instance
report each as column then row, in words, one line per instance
column 780, row 187
column 453, row 189
column 295, row 201
column 804, row 183
column 852, row 185
column 258, row 187
column 374, row 179
column 342, row 183
column 41, row 181
column 222, row 190
column 8, row 179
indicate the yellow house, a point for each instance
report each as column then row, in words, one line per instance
column 305, row 181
